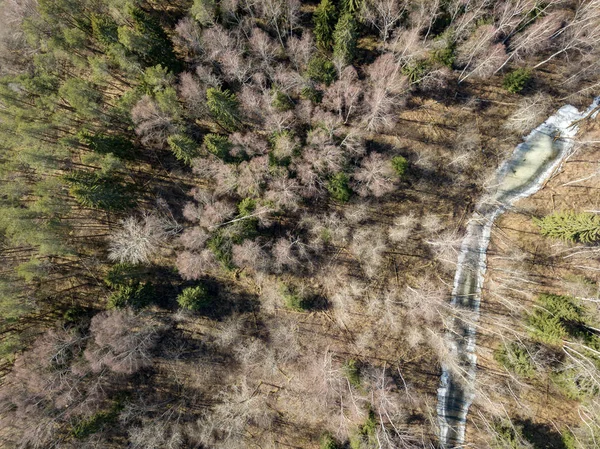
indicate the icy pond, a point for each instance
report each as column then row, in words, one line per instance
column 524, row 173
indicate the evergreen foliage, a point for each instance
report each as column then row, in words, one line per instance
column 246, row 226
column 352, row 6
column 102, row 143
column 122, row 274
column 92, row 189
column 281, row 101
column 345, row 37
column 184, row 148
column 400, row 165
column 508, row 436
column 339, row 187
column 321, row 70
column 98, row 421
column 573, row 385
column 223, row 106
column 351, row 370
column 220, row 246
column 312, row 94
column 82, row 96
column 135, row 295
column 515, row 357
column 365, row 436
column 577, row 227
column 328, row 442
column 97, row 96
column 204, row 11
column 195, row 298
column 445, row 55
column 147, row 40
column 517, row 80
column 324, row 19
column 295, row 299
column 415, row 71
column 218, row 145
column 560, row 317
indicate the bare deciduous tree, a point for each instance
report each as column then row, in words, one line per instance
column 581, row 33
column 139, row 239
column 383, row 15
column 156, row 435
column 530, row 113
column 343, row 96
column 480, row 55
column 369, row 246
column 252, row 176
column 153, row 123
column 193, row 265
column 375, row 176
column 285, row 255
column 263, row 47
column 188, row 35
column 284, row 192
column 123, row 341
column 193, row 238
column 193, row 94
column 402, row 228
column 250, row 254
column 300, row 49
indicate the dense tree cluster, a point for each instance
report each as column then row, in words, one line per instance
column 233, row 224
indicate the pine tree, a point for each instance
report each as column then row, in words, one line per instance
column 344, row 37
column 324, row 19
column 582, row 227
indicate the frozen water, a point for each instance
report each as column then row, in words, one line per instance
column 529, row 166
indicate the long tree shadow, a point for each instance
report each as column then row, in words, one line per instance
column 542, row 436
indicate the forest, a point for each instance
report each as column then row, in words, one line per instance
column 235, row 223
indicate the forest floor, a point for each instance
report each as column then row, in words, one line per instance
column 522, row 264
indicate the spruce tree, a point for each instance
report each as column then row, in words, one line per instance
column 352, row 6
column 217, row 145
column 582, row 227
column 204, row 11
column 184, row 148
column 96, row 190
column 223, row 106
column 324, row 19
column 148, row 40
column 344, row 37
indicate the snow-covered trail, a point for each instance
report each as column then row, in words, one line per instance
column 529, row 166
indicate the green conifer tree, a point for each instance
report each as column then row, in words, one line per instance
column 204, row 11
column 184, row 148
column 92, row 189
column 344, row 37
column 582, row 227
column 352, row 6
column 217, row 145
column 324, row 20
column 223, row 106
